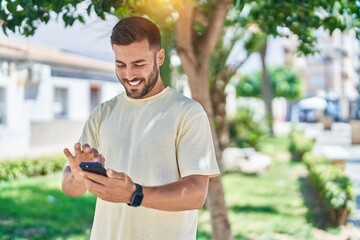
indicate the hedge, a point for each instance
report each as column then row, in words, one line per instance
column 29, row 167
column 335, row 188
column 299, row 144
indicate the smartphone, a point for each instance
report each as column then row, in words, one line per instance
column 94, row 167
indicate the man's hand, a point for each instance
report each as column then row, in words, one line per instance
column 83, row 153
column 117, row 187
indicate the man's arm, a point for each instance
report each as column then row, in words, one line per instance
column 187, row 194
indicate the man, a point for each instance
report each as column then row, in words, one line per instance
column 157, row 144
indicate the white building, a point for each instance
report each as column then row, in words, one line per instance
column 334, row 73
column 46, row 95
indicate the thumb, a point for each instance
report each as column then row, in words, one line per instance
column 113, row 174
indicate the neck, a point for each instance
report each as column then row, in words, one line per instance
column 159, row 86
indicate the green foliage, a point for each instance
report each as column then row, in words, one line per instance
column 284, row 82
column 245, row 130
column 249, row 85
column 299, row 144
column 25, row 16
column 255, row 42
column 13, row 169
column 334, row 186
column 276, row 18
column 284, row 18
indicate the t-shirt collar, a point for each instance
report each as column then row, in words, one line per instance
column 143, row 100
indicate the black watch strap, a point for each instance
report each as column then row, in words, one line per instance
column 137, row 196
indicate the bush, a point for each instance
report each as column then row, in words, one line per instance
column 13, row 169
column 284, row 83
column 299, row 144
column 245, row 130
column 335, row 189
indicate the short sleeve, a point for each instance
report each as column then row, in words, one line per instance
column 90, row 131
column 195, row 149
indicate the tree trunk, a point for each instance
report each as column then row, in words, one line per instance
column 218, row 82
column 267, row 89
column 216, row 197
column 195, row 52
column 218, row 99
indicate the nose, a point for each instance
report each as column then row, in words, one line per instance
column 129, row 73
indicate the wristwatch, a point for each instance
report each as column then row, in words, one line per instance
column 137, row 196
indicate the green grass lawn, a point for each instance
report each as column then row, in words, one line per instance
column 36, row 208
column 265, row 206
column 268, row 206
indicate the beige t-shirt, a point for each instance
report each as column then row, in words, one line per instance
column 156, row 141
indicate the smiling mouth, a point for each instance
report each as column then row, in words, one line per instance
column 134, row 82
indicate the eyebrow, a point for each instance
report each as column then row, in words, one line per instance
column 134, row 62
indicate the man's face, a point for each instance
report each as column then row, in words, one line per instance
column 137, row 68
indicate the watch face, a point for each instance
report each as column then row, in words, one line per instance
column 137, row 196
column 137, row 199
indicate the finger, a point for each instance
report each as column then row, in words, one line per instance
column 113, row 174
column 102, row 159
column 92, row 186
column 95, row 154
column 77, row 149
column 95, row 177
column 86, row 148
column 68, row 154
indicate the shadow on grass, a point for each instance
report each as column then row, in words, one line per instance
column 44, row 213
column 253, row 209
column 318, row 215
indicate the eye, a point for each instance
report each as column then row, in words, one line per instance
column 120, row 65
column 139, row 65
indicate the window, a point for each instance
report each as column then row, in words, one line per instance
column 94, row 97
column 61, row 102
column 2, row 106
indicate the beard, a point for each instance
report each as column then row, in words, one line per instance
column 149, row 83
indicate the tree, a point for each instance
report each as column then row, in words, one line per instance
column 222, row 70
column 300, row 18
column 194, row 49
column 197, row 30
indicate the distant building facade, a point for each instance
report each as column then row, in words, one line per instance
column 46, row 96
column 333, row 74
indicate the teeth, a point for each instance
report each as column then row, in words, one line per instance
column 134, row 83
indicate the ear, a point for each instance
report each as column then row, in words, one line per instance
column 160, row 57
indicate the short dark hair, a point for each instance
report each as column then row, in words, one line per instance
column 134, row 29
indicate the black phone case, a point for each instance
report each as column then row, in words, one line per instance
column 94, row 167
